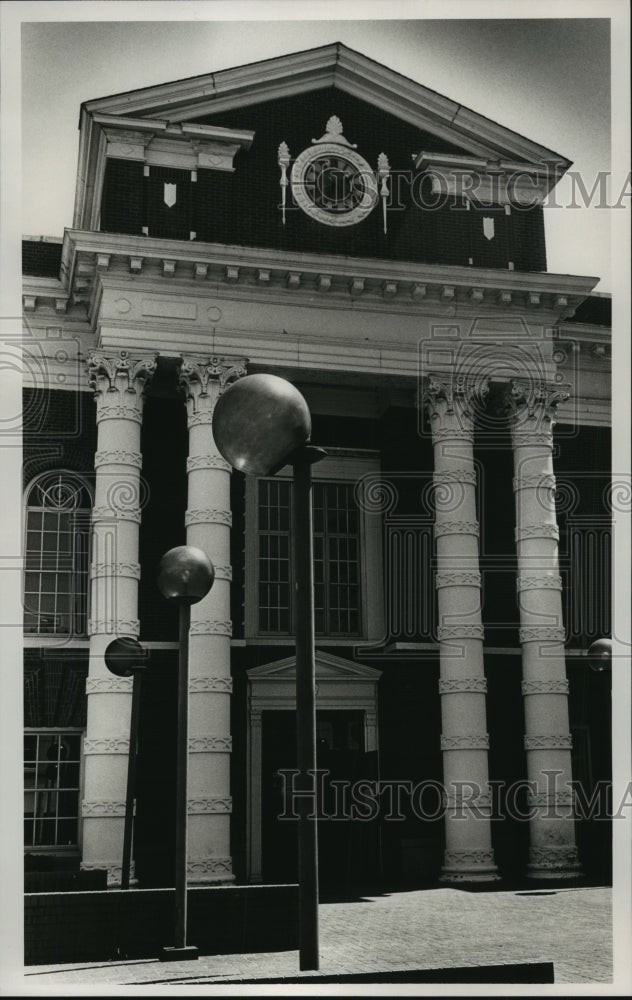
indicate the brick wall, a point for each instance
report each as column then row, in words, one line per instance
column 103, row 926
column 122, row 202
column 41, row 258
column 242, row 208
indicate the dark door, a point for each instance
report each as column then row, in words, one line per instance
column 348, row 847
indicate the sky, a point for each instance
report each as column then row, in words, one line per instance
column 547, row 78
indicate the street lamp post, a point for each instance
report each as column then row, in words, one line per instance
column 185, row 576
column 124, row 657
column 260, row 424
column 599, row 657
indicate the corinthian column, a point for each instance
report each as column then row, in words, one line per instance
column 464, row 741
column 547, row 741
column 208, row 523
column 118, row 383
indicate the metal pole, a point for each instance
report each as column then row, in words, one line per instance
column 305, row 710
column 131, row 781
column 181, row 779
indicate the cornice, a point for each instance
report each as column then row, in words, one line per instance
column 314, row 69
column 545, row 296
column 176, row 105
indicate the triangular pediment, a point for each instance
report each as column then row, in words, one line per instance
column 185, row 101
column 328, row 667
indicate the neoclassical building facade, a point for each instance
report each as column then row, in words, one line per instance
column 394, row 270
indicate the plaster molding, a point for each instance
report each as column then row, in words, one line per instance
column 109, row 685
column 200, row 867
column 526, row 532
column 467, row 476
column 545, row 686
column 114, row 745
column 447, row 632
column 475, row 741
column 216, row 804
column 198, row 462
column 131, row 458
column 211, row 627
column 115, row 569
column 208, row 517
column 540, row 481
column 103, row 808
column 210, row 744
column 457, row 578
column 541, row 633
column 463, row 685
column 538, row 582
column 455, row 528
column 206, row 685
column 559, row 741
column 118, row 627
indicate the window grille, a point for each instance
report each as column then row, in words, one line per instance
column 56, row 556
column 51, row 788
column 337, row 590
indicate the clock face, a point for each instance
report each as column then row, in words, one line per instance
column 333, row 185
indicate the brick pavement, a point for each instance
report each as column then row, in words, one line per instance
column 401, row 930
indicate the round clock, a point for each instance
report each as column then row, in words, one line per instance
column 334, row 184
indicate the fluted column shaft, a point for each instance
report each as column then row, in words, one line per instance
column 118, row 383
column 208, row 524
column 462, row 686
column 552, row 852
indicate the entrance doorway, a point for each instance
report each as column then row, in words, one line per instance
column 348, row 848
column 347, row 748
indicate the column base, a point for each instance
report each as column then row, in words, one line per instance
column 469, row 866
column 209, row 871
column 114, row 871
column 194, row 880
column 553, row 863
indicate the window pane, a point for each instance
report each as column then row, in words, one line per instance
column 67, row 831
column 51, row 787
column 45, row 832
column 336, row 558
column 30, row 747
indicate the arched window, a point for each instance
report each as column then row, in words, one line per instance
column 57, row 555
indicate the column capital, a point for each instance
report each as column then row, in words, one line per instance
column 531, row 404
column 118, row 382
column 109, row 373
column 452, row 399
column 203, row 380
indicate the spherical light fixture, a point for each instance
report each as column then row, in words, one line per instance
column 185, row 575
column 259, row 421
column 123, row 657
column 600, row 655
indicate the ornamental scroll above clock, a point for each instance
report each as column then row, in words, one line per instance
column 331, row 182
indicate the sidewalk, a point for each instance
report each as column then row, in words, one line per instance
column 439, row 928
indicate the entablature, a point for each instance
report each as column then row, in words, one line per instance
column 381, row 283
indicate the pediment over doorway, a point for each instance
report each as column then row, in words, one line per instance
column 328, row 667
